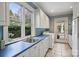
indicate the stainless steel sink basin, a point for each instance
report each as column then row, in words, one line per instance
column 30, row 40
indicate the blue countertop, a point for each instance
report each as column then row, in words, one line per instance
column 15, row 49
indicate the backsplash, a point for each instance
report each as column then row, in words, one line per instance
column 1, row 36
column 39, row 31
column 1, row 32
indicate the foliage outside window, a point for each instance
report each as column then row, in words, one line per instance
column 27, row 22
column 60, row 28
column 15, row 20
column 14, row 28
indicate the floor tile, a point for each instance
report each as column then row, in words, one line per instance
column 60, row 50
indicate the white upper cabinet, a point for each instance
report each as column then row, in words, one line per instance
column 2, row 13
column 75, row 9
column 42, row 20
column 47, row 21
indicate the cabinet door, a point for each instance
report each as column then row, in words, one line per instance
column 42, row 20
column 37, row 19
column 70, row 41
column 74, row 38
column 25, row 53
column 77, row 7
column 45, row 46
column 41, row 48
column 51, row 40
column 75, row 10
column 35, row 50
column 47, row 21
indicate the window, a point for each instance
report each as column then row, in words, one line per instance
column 16, row 21
column 27, row 22
column 14, row 27
column 60, row 28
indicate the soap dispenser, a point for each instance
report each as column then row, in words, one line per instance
column 2, row 44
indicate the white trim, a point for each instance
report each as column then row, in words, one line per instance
column 17, row 39
column 33, row 24
column 6, row 19
column 5, row 27
column 24, row 4
column 23, row 23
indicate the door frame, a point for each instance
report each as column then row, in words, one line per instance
column 61, row 19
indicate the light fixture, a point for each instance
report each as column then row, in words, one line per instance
column 70, row 6
column 52, row 10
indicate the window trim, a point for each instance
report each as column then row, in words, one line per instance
column 24, row 5
column 17, row 40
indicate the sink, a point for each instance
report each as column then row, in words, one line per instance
column 30, row 40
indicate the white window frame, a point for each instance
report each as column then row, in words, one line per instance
column 5, row 28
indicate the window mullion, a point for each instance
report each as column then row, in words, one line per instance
column 23, row 23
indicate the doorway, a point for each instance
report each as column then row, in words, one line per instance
column 60, row 32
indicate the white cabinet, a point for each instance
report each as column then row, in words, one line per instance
column 25, row 53
column 51, row 39
column 47, row 21
column 70, row 40
column 34, row 52
column 44, row 47
column 41, row 49
column 37, row 19
column 75, row 39
column 38, row 50
column 75, row 9
column 42, row 20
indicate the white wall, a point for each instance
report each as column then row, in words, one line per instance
column 61, row 19
column 51, row 25
column 51, row 22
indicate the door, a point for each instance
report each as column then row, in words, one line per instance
column 60, row 32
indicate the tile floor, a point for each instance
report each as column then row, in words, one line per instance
column 59, row 50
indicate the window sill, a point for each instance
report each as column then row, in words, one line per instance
column 17, row 40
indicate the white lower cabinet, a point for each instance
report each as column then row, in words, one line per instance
column 51, row 39
column 33, row 52
column 70, row 40
column 42, row 48
column 45, row 46
column 38, row 50
column 25, row 53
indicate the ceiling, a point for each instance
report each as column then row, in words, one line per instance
column 56, row 8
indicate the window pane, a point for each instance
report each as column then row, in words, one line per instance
column 14, row 28
column 60, row 28
column 27, row 22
